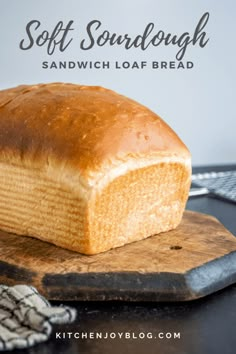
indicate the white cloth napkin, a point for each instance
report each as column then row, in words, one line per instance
column 26, row 317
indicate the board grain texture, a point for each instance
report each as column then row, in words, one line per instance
column 192, row 261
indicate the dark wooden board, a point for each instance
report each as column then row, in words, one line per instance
column 196, row 259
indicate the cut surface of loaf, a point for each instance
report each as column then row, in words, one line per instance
column 87, row 169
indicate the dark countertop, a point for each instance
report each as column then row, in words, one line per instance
column 206, row 326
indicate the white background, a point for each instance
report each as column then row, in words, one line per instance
column 199, row 104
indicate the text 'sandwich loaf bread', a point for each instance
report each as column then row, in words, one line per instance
column 87, row 169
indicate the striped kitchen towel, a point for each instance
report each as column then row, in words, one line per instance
column 26, row 317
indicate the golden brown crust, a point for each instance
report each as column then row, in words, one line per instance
column 94, row 169
column 79, row 128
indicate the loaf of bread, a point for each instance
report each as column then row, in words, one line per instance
column 87, row 169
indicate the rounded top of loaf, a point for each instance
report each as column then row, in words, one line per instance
column 82, row 130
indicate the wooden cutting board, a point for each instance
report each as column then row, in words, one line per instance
column 196, row 259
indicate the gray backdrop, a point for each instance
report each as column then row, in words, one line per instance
column 199, row 103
